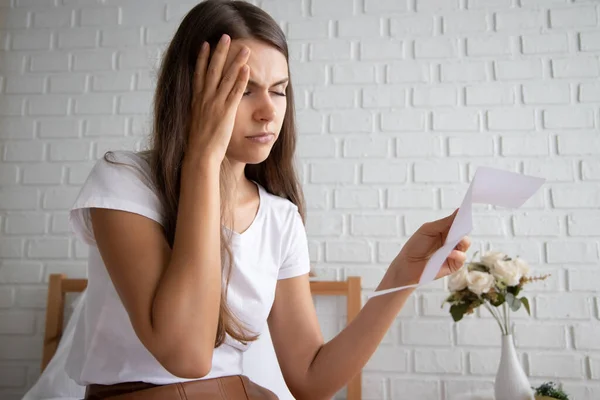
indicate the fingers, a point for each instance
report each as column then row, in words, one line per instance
column 215, row 67
column 233, row 74
column 464, row 244
column 200, row 71
column 240, row 85
column 456, row 259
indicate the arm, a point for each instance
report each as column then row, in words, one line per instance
column 172, row 297
column 316, row 370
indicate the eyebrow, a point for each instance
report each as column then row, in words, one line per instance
column 254, row 83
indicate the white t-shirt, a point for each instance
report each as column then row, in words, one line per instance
column 105, row 348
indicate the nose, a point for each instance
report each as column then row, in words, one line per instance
column 265, row 109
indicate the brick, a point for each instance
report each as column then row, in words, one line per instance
column 308, row 74
column 411, row 25
column 13, row 376
column 17, row 322
column 78, row 38
column 411, row 198
column 332, row 9
column 368, row 147
column 306, row 30
column 310, row 121
column 437, row 47
column 488, row 4
column 351, row 122
column 381, row 97
column 316, row 146
column 586, row 337
column 333, row 97
column 415, row 389
column 349, row 251
column 353, row 73
column 543, row 44
column 52, row 19
column 430, row 304
column 488, row 46
column 11, row 105
column 331, row 50
column 60, row 199
column 556, row 365
column 530, row 145
column 552, row 170
column 376, row 49
column 571, row 252
column 488, row 332
column 538, row 224
column 72, row 83
column 42, row 174
column 437, row 171
column 487, row 225
column 563, row 306
column 517, row 69
column 427, row 333
column 92, row 103
column 122, row 37
column 389, row 359
column 360, row 27
column 575, row 67
column 374, row 225
column 24, row 85
column 100, row 16
column 72, row 270
column 52, row 62
column 144, row 58
column 9, row 175
column 57, row 128
column 136, row 103
column 578, row 144
column 384, row 7
column 284, row 11
column 150, row 14
column 583, row 280
column 410, row 121
column 48, row 248
column 7, row 298
column 15, row 18
column 546, row 93
column 48, row 105
column 93, row 60
column 331, row 173
column 324, row 225
column 434, row 96
column 568, row 118
column 423, row 145
column 20, row 272
column 407, row 72
column 580, row 196
column 489, row 94
column 79, row 173
column 589, row 92
column 16, row 128
column 434, row 5
column 471, row 146
column 510, row 119
column 160, row 34
column 465, row 22
column 462, row 71
column 20, row 348
column 590, row 170
column 23, row 151
column 70, row 151
column 105, row 126
column 439, row 361
column 519, row 20
column 540, row 336
column 584, row 223
column 348, row 198
column 31, row 40
column 384, row 172
column 456, row 120
column 573, row 17
column 589, row 41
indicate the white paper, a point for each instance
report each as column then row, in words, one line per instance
column 489, row 186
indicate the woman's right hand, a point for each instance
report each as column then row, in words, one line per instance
column 216, row 96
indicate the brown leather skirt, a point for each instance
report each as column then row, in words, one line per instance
column 236, row 387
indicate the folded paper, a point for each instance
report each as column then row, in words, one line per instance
column 489, row 186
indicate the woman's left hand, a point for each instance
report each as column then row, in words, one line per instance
column 407, row 267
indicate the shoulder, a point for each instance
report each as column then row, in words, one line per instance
column 282, row 210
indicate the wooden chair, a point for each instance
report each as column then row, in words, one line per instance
column 59, row 285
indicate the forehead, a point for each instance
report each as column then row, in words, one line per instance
column 267, row 64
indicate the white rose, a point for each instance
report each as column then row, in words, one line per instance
column 507, row 272
column 522, row 266
column 480, row 282
column 490, row 258
column 458, row 280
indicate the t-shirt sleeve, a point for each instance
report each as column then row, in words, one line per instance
column 117, row 187
column 296, row 261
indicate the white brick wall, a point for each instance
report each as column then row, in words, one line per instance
column 398, row 101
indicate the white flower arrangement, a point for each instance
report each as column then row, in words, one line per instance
column 495, row 280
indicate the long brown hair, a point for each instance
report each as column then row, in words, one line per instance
column 208, row 21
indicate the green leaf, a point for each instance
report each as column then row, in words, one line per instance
column 525, row 302
column 513, row 289
column 513, row 302
column 499, row 300
column 458, row 311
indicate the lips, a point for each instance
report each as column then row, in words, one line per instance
column 261, row 134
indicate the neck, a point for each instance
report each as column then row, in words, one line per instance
column 242, row 187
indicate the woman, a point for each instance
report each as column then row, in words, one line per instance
column 197, row 243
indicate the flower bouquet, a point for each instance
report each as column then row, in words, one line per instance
column 495, row 282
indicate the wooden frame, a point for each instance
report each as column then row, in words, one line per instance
column 59, row 285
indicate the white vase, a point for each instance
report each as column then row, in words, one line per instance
column 511, row 381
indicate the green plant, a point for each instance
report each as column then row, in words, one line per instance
column 550, row 389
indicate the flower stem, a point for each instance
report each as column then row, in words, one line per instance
column 496, row 317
